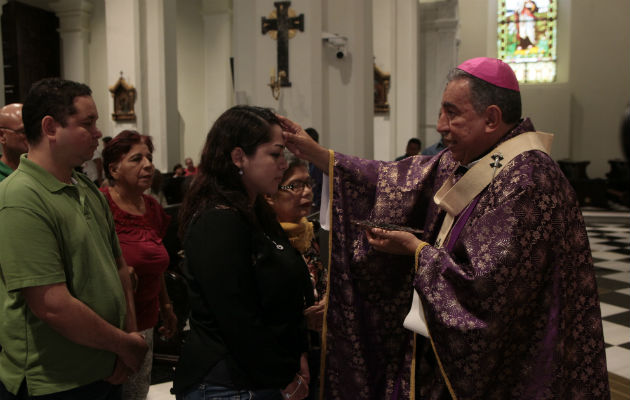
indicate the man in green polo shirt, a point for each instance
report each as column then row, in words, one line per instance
column 67, row 323
column 12, row 138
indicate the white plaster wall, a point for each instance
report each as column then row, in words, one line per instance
column 439, row 46
column 405, row 99
column 218, row 50
column 548, row 105
column 383, row 21
column 159, row 71
column 255, row 55
column 123, row 20
column 191, row 78
column 600, row 80
column 585, row 106
column 396, row 44
column 349, row 83
column 97, row 67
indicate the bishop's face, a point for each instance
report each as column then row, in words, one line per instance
column 463, row 129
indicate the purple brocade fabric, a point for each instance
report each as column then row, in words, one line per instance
column 512, row 310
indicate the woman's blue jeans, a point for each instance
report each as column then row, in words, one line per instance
column 207, row 391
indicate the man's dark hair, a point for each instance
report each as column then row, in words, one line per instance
column 313, row 134
column 416, row 141
column 484, row 94
column 50, row 96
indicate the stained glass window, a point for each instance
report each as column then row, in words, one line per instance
column 527, row 38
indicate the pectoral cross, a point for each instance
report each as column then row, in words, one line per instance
column 283, row 26
column 497, row 157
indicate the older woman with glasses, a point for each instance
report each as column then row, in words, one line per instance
column 292, row 204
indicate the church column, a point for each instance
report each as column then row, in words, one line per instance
column 348, row 83
column 74, row 30
column 439, row 47
column 396, row 52
column 122, row 26
column 405, row 74
column 161, row 114
column 383, row 37
column 217, row 28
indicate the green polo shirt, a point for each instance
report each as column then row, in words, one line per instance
column 52, row 232
column 5, row 171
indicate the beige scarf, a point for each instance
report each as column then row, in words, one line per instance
column 300, row 234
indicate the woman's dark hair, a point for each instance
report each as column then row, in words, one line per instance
column 120, row 145
column 218, row 182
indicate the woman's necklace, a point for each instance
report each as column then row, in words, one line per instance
column 136, row 207
column 278, row 246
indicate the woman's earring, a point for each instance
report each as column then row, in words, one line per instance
column 240, row 171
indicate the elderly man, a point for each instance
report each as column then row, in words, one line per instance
column 505, row 294
column 65, row 293
column 12, row 138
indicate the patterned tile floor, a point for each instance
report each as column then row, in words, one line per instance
column 609, row 235
column 610, row 245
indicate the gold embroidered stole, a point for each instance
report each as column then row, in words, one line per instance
column 454, row 197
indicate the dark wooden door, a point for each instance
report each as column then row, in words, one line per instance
column 30, row 46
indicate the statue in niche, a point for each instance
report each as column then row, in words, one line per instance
column 381, row 88
column 124, row 100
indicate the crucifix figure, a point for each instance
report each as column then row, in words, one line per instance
column 283, row 26
column 497, row 157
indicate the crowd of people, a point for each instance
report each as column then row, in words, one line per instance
column 464, row 274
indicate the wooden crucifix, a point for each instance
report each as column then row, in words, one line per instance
column 283, row 26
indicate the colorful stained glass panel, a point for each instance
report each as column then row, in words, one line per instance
column 527, row 37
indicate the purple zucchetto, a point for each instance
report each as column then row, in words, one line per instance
column 491, row 70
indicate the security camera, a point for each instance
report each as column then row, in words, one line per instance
column 338, row 42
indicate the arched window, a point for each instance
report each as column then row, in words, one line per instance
column 527, row 36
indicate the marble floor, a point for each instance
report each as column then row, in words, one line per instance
column 609, row 235
column 610, row 246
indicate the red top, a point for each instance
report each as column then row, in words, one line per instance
column 140, row 238
column 190, row 171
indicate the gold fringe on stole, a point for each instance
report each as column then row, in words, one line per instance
column 322, row 364
column 448, row 382
column 412, row 380
column 412, row 376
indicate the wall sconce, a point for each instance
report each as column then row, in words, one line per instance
column 275, row 82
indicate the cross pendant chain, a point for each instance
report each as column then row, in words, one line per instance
column 497, row 157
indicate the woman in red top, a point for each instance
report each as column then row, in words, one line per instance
column 140, row 225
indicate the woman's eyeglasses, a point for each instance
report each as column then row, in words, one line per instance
column 297, row 186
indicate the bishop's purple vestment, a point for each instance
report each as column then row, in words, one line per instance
column 512, row 308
